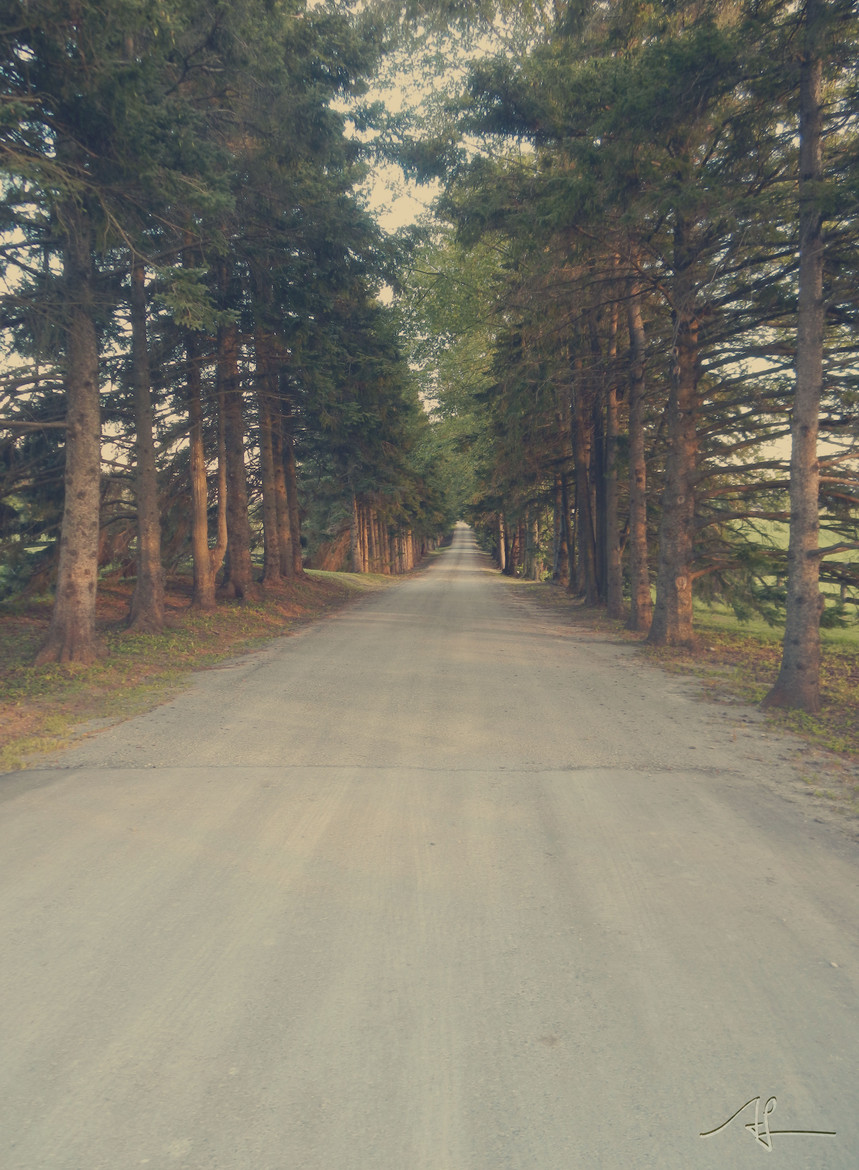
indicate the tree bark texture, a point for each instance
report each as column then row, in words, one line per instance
column 266, row 407
column 284, row 526
column 203, row 596
column 613, row 573
column 672, row 613
column 641, row 601
column 287, row 427
column 586, row 567
column 147, row 602
column 798, row 682
column 218, row 552
column 241, row 583
column 71, row 635
column 561, row 509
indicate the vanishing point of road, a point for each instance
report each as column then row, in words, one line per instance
column 441, row 883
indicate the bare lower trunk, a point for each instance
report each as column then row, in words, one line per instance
column 372, row 554
column 219, row 549
column 147, row 602
column 641, row 602
column 284, row 524
column 203, row 596
column 241, row 582
column 798, row 682
column 72, row 633
column 561, row 521
column 533, row 559
column 271, row 542
column 364, row 537
column 672, row 614
column 586, row 579
column 613, row 575
column 355, row 539
column 271, row 539
column 291, row 474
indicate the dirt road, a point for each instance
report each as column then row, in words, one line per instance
column 439, row 884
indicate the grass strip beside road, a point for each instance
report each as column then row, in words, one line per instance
column 44, row 709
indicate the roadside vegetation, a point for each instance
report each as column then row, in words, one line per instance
column 734, row 662
column 44, row 709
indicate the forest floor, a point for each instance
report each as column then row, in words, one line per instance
column 49, row 708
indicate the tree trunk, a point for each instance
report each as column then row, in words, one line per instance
column 284, row 529
column 515, row 553
column 147, row 602
column 291, row 477
column 372, row 540
column 641, row 602
column 241, row 582
column 364, row 535
column 203, row 596
column 586, row 582
column 672, row 614
column 566, row 559
column 536, row 567
column 219, row 550
column 271, row 539
column 502, row 543
column 71, row 635
column 567, row 566
column 613, row 574
column 798, row 682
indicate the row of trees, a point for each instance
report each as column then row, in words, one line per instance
column 656, row 244
column 192, row 333
column 647, row 291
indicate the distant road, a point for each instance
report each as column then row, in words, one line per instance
column 438, row 884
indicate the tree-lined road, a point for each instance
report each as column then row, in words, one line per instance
column 439, row 884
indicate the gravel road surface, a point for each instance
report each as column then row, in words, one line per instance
column 438, row 884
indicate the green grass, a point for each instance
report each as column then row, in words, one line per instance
column 359, row 582
column 721, row 617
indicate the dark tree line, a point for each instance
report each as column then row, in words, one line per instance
column 191, row 322
column 666, row 194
